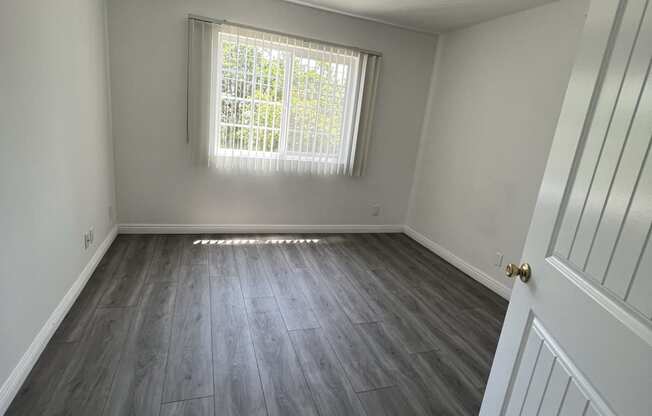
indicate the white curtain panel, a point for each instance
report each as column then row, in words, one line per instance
column 369, row 77
column 201, row 115
column 265, row 103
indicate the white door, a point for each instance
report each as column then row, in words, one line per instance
column 577, row 338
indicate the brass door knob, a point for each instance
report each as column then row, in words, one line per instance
column 524, row 272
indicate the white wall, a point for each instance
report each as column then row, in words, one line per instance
column 56, row 158
column 156, row 182
column 496, row 96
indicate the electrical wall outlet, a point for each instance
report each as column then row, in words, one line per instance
column 375, row 210
column 499, row 259
column 88, row 238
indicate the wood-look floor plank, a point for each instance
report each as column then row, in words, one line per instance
column 354, row 245
column 462, row 336
column 490, row 325
column 475, row 368
column 86, row 383
column 331, row 389
column 166, row 259
column 388, row 401
column 322, row 261
column 443, row 319
column 251, row 272
column 318, row 256
column 221, row 258
column 479, row 332
column 461, row 394
column 195, row 249
column 401, row 304
column 365, row 370
column 194, row 407
column 393, row 259
column 412, row 272
column 459, row 285
column 286, row 391
column 77, row 320
column 138, row 385
column 398, row 320
column 424, row 395
column 296, row 312
column 362, row 280
column 238, row 389
column 427, row 270
column 442, row 279
column 454, row 332
column 125, row 287
column 34, row 396
column 189, row 371
column 291, row 251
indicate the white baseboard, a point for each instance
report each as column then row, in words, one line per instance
column 15, row 380
column 254, row 228
column 469, row 269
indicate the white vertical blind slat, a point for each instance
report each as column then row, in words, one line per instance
column 256, row 114
column 265, row 87
column 200, row 95
column 315, row 128
column 363, row 122
column 332, row 79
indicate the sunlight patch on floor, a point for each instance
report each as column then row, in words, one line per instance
column 250, row 241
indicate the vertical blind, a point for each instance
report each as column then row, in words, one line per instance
column 262, row 102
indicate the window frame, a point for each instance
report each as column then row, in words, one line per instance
column 283, row 153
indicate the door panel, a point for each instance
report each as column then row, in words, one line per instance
column 606, row 223
column 548, row 383
column 641, row 292
column 596, row 137
column 594, row 221
column 577, row 338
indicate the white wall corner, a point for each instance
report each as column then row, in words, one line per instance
column 109, row 115
column 425, row 127
column 466, row 267
column 12, row 384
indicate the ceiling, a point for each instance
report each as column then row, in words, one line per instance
column 432, row 16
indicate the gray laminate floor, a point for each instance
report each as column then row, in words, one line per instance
column 370, row 324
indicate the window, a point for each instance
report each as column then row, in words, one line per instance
column 282, row 104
